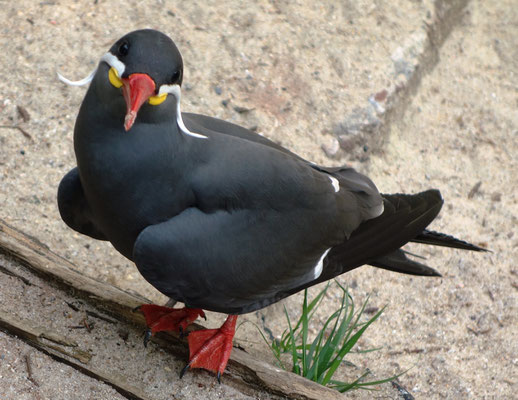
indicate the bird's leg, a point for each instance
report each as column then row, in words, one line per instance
column 210, row 348
column 161, row 318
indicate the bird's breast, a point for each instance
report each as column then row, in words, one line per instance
column 130, row 184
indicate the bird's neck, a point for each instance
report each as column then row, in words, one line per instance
column 100, row 140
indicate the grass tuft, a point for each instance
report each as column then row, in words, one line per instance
column 318, row 359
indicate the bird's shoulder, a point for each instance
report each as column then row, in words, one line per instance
column 211, row 127
column 244, row 170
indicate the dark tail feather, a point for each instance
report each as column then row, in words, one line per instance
column 441, row 239
column 397, row 261
column 405, row 219
column 376, row 242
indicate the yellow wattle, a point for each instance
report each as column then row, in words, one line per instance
column 156, row 100
column 113, row 76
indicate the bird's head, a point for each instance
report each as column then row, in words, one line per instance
column 142, row 66
column 147, row 66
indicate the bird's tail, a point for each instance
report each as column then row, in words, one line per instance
column 441, row 239
column 399, row 261
column 378, row 241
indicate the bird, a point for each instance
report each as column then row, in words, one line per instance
column 214, row 215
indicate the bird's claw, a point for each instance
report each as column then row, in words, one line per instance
column 182, row 332
column 184, row 370
column 147, row 336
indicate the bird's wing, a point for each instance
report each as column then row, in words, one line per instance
column 262, row 224
column 346, row 176
column 74, row 208
column 206, row 125
column 229, row 262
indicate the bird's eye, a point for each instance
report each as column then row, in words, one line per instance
column 176, row 76
column 124, row 48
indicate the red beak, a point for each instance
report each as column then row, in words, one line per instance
column 136, row 90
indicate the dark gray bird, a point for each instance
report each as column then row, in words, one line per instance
column 214, row 215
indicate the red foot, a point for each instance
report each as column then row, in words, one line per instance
column 160, row 318
column 210, row 348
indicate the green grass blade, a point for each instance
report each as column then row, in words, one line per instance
column 304, row 318
column 345, row 325
column 350, row 306
column 313, row 305
column 314, row 350
column 311, row 308
column 347, row 347
column 321, row 350
column 343, row 387
column 296, row 367
column 275, row 351
column 329, row 348
column 365, row 385
column 367, row 350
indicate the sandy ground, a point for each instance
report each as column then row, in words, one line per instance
column 300, row 68
column 65, row 383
